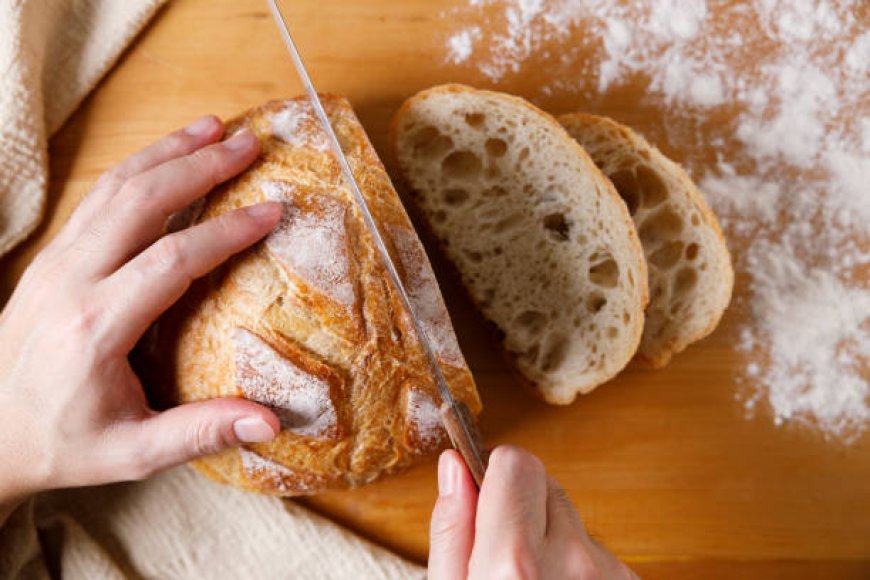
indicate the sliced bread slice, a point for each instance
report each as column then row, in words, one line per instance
column 539, row 236
column 690, row 273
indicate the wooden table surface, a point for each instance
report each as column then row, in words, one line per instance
column 664, row 466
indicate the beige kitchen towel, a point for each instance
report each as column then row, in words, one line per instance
column 181, row 525
column 52, row 53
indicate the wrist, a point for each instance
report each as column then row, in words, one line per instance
column 22, row 467
column 15, row 486
column 13, row 490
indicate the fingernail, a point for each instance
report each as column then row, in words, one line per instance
column 264, row 211
column 253, row 430
column 448, row 476
column 201, row 126
column 241, row 141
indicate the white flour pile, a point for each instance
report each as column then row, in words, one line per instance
column 792, row 80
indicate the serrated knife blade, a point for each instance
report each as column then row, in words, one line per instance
column 457, row 419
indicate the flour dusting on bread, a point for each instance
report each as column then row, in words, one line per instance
column 299, row 399
column 423, row 291
column 307, row 322
column 257, row 467
column 298, row 125
column 276, row 477
column 424, row 420
column 311, row 242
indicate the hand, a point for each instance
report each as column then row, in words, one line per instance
column 72, row 411
column 520, row 525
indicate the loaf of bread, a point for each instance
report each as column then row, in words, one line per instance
column 307, row 322
column 690, row 273
column 539, row 236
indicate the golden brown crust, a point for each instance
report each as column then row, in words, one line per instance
column 625, row 141
column 307, row 322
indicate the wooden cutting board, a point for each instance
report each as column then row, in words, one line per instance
column 664, row 466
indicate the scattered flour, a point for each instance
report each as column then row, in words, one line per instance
column 814, row 329
column 783, row 87
column 460, row 45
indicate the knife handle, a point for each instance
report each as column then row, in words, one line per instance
column 466, row 438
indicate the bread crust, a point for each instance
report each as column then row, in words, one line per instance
column 307, row 322
column 624, row 141
column 624, row 217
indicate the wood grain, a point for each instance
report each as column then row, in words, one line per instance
column 664, row 466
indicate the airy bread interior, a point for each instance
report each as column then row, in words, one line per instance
column 541, row 240
column 690, row 273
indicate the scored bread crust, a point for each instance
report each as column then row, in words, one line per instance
column 440, row 173
column 307, row 322
column 690, row 272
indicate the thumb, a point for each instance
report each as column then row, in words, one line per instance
column 451, row 531
column 196, row 429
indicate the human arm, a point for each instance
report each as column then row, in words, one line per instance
column 72, row 412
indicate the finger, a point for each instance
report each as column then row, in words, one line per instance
column 562, row 517
column 513, row 496
column 193, row 430
column 201, row 132
column 451, row 531
column 150, row 283
column 136, row 215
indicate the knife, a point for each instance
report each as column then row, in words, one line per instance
column 457, row 419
